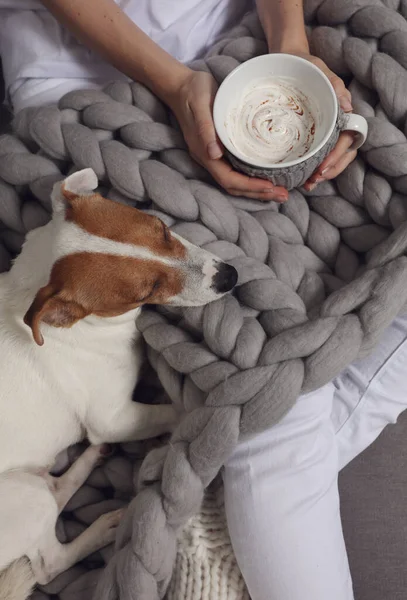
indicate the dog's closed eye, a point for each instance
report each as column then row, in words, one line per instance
column 167, row 234
column 156, row 286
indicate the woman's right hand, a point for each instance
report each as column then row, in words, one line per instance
column 192, row 105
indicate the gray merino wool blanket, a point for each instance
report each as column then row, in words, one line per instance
column 320, row 277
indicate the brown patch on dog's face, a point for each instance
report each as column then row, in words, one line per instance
column 111, row 285
column 120, row 223
column 100, row 284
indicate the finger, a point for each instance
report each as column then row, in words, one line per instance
column 326, row 169
column 241, row 184
column 335, row 170
column 341, row 165
column 206, row 129
column 343, row 95
column 345, row 101
column 262, row 196
column 238, row 184
column 345, row 141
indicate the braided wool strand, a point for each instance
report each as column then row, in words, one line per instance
column 319, row 277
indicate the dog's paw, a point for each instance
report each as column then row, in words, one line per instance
column 108, row 524
column 104, row 451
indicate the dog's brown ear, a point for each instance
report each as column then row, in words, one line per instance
column 82, row 183
column 49, row 307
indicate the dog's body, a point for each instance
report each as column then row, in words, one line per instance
column 57, row 386
column 77, row 271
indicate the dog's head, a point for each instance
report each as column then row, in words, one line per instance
column 110, row 258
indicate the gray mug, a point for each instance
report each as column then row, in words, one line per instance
column 330, row 120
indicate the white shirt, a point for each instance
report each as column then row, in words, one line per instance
column 34, row 45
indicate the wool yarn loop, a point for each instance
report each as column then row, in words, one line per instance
column 320, row 277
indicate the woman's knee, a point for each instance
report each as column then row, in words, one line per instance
column 282, row 507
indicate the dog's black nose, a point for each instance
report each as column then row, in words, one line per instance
column 225, row 279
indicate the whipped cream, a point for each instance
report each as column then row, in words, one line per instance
column 272, row 122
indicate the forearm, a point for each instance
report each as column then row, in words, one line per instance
column 103, row 27
column 283, row 24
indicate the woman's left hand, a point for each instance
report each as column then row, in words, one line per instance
column 341, row 156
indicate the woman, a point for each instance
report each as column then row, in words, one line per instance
column 41, row 62
column 281, row 487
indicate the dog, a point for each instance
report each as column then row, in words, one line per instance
column 70, row 359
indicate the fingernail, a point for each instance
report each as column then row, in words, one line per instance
column 325, row 171
column 318, row 179
column 268, row 190
column 312, row 186
column 345, row 103
column 281, row 197
column 214, row 151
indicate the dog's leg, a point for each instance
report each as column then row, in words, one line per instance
column 52, row 557
column 130, row 422
column 64, row 487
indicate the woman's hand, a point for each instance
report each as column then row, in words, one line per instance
column 341, row 156
column 284, row 27
column 192, row 105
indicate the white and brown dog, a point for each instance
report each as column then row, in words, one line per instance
column 69, row 362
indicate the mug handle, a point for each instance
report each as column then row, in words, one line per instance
column 359, row 125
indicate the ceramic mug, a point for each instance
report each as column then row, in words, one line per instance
column 330, row 120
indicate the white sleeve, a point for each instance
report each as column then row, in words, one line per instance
column 21, row 5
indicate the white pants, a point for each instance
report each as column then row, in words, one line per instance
column 281, row 488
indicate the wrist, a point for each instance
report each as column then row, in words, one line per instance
column 289, row 42
column 178, row 88
column 163, row 75
column 171, row 82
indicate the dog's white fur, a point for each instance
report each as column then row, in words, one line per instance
column 79, row 384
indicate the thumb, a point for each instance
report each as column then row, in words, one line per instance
column 206, row 131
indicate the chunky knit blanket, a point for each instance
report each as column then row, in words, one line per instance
column 319, row 277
